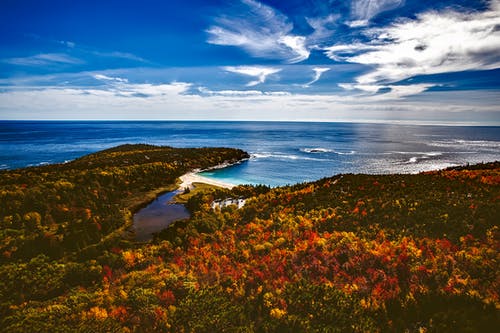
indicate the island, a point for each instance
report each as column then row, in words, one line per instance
column 348, row 253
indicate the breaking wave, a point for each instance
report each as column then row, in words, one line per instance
column 466, row 143
column 282, row 156
column 325, row 150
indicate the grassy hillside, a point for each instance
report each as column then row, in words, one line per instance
column 352, row 253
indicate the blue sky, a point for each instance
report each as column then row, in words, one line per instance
column 318, row 60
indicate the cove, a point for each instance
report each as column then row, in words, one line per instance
column 157, row 216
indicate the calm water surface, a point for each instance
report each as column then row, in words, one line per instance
column 157, row 216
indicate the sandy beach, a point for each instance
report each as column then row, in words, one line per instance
column 192, row 177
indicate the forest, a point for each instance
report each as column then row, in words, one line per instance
column 349, row 253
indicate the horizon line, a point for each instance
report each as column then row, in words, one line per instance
column 345, row 121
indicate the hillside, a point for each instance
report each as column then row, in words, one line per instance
column 351, row 253
column 68, row 208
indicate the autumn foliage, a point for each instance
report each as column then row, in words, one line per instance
column 351, row 253
column 70, row 208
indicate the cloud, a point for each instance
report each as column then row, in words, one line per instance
column 102, row 77
column 241, row 93
column 323, row 27
column 67, row 43
column 44, row 59
column 154, row 90
column 117, row 86
column 433, row 43
column 364, row 10
column 388, row 91
column 261, row 73
column 85, row 50
column 178, row 101
column 119, row 55
column 344, row 52
column 298, row 45
column 370, row 88
column 398, row 91
column 318, row 71
column 261, row 31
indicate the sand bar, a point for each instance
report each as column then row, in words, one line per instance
column 192, row 177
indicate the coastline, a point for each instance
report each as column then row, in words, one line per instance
column 192, row 177
column 188, row 179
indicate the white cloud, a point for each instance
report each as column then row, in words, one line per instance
column 241, row 93
column 44, row 59
column 206, row 91
column 433, row 43
column 370, row 88
column 260, row 72
column 118, row 55
column 102, row 77
column 318, row 71
column 149, row 90
column 344, row 52
column 323, row 27
column 298, row 45
column 67, row 43
column 398, row 91
column 121, row 87
column 177, row 101
column 363, row 10
column 392, row 91
column 261, row 31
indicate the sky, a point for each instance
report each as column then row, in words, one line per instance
column 397, row 61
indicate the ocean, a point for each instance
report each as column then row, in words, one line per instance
column 281, row 152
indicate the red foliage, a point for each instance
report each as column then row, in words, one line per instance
column 107, row 272
column 119, row 313
column 167, row 297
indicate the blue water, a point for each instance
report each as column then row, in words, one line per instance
column 282, row 152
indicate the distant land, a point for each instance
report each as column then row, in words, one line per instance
column 348, row 253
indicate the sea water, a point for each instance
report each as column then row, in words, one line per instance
column 281, row 152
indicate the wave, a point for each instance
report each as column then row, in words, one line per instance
column 466, row 143
column 420, row 156
column 425, row 154
column 4, row 166
column 414, row 168
column 38, row 164
column 282, row 157
column 352, row 152
column 325, row 150
column 433, row 154
column 257, row 155
column 316, row 150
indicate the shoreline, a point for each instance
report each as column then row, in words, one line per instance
column 188, row 179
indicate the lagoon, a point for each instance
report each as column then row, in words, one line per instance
column 158, row 215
